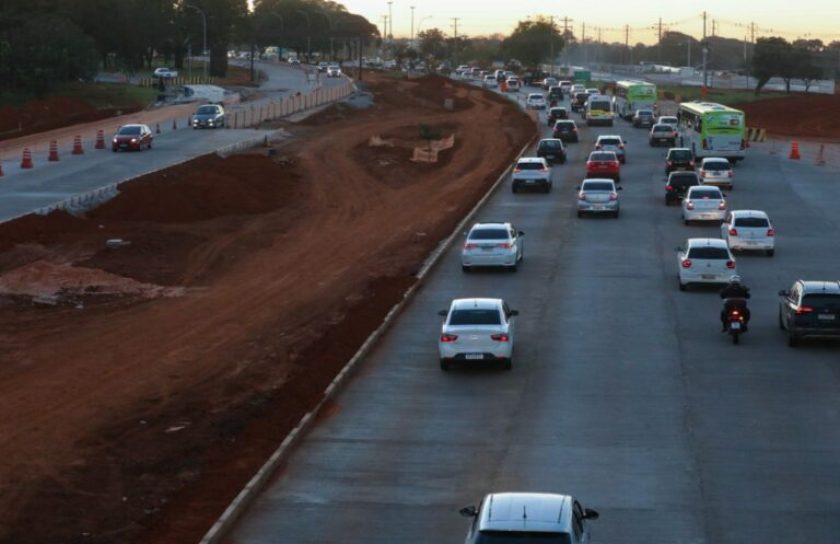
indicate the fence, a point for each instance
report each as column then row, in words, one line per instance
column 177, row 81
column 254, row 115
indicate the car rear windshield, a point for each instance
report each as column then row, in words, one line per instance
column 530, row 166
column 551, row 144
column 645, row 114
column 610, row 141
column 207, row 110
column 489, row 234
column 475, row 316
column 716, row 165
column 535, row 97
column 602, row 157
column 751, row 222
column 521, row 537
column 129, row 131
column 682, row 155
column 708, row 253
column 686, row 179
column 568, row 125
column 663, row 128
column 597, row 186
column 557, row 111
column 822, row 300
column 706, row 193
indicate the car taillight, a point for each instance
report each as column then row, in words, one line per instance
column 705, row 144
column 505, row 245
column 743, row 144
column 448, row 337
column 691, row 164
column 771, row 232
column 621, row 146
column 702, row 173
column 469, row 245
column 613, row 196
column 733, row 232
column 804, row 310
column 515, row 170
column 668, row 188
column 722, row 205
column 734, row 313
column 669, row 163
column 731, row 173
column 686, row 263
column 574, row 129
column 500, row 337
column 582, row 195
column 689, row 205
column 597, row 146
column 730, row 265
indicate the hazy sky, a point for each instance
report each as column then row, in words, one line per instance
column 788, row 18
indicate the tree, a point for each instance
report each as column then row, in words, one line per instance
column 769, row 59
column 432, row 43
column 531, row 42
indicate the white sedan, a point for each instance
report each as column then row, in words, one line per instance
column 477, row 330
column 535, row 101
column 165, row 73
column 703, row 203
column 749, row 230
column 333, row 71
column 493, row 244
column 704, row 260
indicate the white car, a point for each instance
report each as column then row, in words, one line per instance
column 333, row 70
column 513, row 84
column 490, row 82
column 578, row 88
column 593, row 91
column 614, row 143
column 703, row 203
column 704, row 260
column 165, row 73
column 565, row 86
column 477, row 330
column 668, row 120
column 535, row 101
column 749, row 230
column 716, row 171
column 531, row 172
column 492, row 244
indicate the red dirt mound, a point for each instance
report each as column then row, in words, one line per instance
column 41, row 229
column 804, row 116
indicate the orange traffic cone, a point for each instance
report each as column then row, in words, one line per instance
column 794, row 151
column 53, row 156
column 26, row 160
column 100, row 140
column 77, row 146
column 821, row 156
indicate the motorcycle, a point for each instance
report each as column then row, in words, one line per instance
column 736, row 320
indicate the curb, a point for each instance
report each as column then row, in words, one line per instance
column 257, row 483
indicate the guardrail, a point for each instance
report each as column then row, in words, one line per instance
column 254, row 115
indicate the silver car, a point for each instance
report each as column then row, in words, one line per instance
column 209, row 116
column 716, row 171
column 531, row 172
column 477, row 330
column 598, row 195
column 703, row 203
column 493, row 244
column 529, row 517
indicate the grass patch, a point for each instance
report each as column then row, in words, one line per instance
column 726, row 97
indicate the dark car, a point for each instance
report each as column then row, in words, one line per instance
column 209, row 116
column 555, row 92
column 643, row 119
column 132, row 137
column 566, row 130
column 555, row 114
column 810, row 308
column 679, row 158
column 678, row 184
column 579, row 101
column 662, row 134
column 552, row 150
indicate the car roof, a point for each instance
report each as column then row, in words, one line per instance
column 668, row 117
column 531, row 159
column 551, row 140
column 532, row 512
column 816, row 286
column 666, row 125
column 599, row 180
column 708, row 242
column 565, row 122
column 679, row 149
column 132, row 125
column 536, row 95
column 706, row 188
column 603, row 136
column 750, row 213
column 476, row 303
column 599, row 151
column 490, row 225
column 715, row 159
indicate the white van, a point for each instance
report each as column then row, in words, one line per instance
column 198, row 93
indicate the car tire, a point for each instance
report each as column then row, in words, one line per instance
column 547, row 188
column 514, row 188
column 465, row 268
column 687, row 222
column 114, row 149
column 444, row 364
column 507, row 364
column 781, row 322
column 616, row 213
column 793, row 340
column 770, row 252
column 580, row 213
column 513, row 267
column 683, row 286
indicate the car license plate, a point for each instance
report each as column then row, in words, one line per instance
column 597, row 207
column 708, row 276
column 735, row 325
column 473, row 356
column 550, row 156
column 826, row 317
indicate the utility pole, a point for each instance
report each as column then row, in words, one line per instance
column 551, row 45
column 659, row 41
column 455, row 41
column 705, row 51
column 566, row 22
column 583, row 41
column 714, row 27
column 411, row 39
column 390, row 22
column 627, row 42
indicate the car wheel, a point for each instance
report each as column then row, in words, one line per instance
column 507, row 364
column 512, row 268
column 149, row 146
column 548, row 188
column 465, row 268
column 114, row 149
column 580, row 213
column 781, row 322
column 615, row 213
column 793, row 340
column 444, row 364
column 687, row 222
column 514, row 188
column 683, row 286
column 770, row 252
column 667, row 202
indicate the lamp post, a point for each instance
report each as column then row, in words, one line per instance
column 204, row 23
column 308, row 35
column 390, row 22
column 411, row 36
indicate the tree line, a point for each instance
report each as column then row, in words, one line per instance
column 44, row 42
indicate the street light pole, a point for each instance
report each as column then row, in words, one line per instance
column 411, row 38
column 204, row 23
column 390, row 22
column 308, row 35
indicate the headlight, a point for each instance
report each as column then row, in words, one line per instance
column 134, row 140
column 115, row 140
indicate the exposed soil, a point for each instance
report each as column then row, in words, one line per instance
column 158, row 376
column 804, row 116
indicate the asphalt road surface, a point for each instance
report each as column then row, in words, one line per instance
column 623, row 391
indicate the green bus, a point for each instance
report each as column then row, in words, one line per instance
column 634, row 95
column 712, row 130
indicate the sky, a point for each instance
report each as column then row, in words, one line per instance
column 790, row 19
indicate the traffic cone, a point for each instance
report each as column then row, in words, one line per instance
column 26, row 160
column 77, row 146
column 157, row 128
column 794, row 151
column 53, row 156
column 100, row 140
column 821, row 156
column 174, row 124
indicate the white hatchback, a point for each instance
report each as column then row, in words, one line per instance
column 702, row 203
column 477, row 330
column 716, row 171
column 704, row 260
column 535, row 101
column 749, row 230
column 493, row 244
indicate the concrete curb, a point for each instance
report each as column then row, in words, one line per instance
column 232, row 513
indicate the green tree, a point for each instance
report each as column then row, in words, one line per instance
column 531, row 42
column 432, row 43
column 770, row 58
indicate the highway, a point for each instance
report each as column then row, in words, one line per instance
column 623, row 391
column 24, row 191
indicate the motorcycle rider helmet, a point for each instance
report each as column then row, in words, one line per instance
column 735, row 280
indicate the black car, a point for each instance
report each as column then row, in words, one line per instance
column 552, row 150
column 678, row 184
column 555, row 92
column 810, row 308
column 556, row 114
column 566, row 130
column 679, row 158
column 579, row 101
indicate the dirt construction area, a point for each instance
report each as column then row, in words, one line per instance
column 799, row 115
column 145, row 380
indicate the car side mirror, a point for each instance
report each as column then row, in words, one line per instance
column 619, row 188
column 468, row 511
column 514, row 312
column 589, row 513
column 784, row 293
column 625, row 141
column 521, row 233
column 723, row 195
column 443, row 313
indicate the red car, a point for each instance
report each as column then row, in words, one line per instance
column 132, row 137
column 603, row 164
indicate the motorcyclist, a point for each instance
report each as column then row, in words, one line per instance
column 734, row 295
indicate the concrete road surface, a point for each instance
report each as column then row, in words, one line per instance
column 623, row 390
